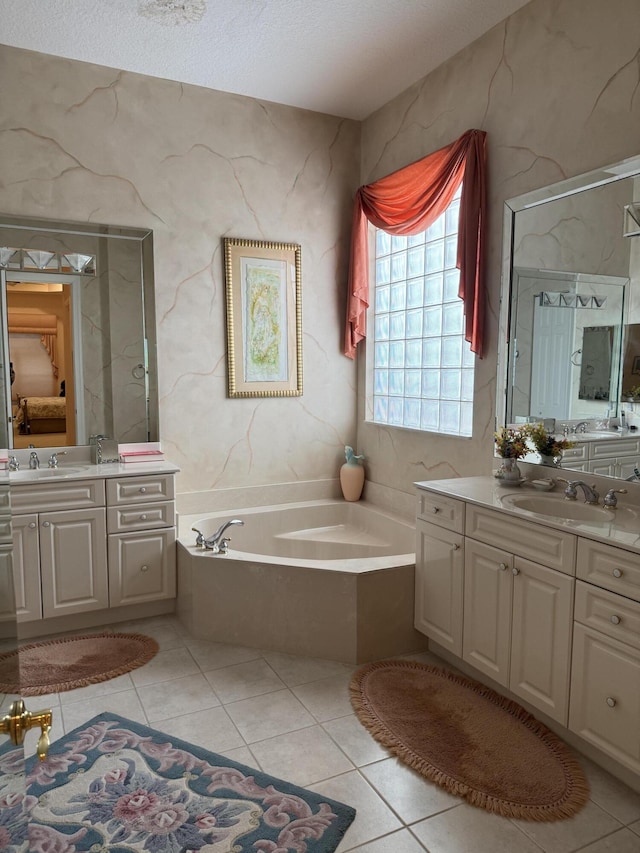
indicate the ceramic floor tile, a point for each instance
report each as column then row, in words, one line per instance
column 243, row 755
column 397, row 842
column 268, row 716
column 173, row 663
column 243, row 680
column 589, row 825
column 166, row 636
column 126, row 704
column 355, row 741
column 466, row 829
column 622, row 841
column 180, row 696
column 32, row 703
column 301, row 757
column 296, row 670
column 635, row 827
column 610, row 794
column 210, row 729
column 410, row 795
column 373, row 817
column 103, row 688
column 216, row 655
column 327, row 698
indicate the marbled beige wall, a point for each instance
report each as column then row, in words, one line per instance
column 556, row 88
column 87, row 143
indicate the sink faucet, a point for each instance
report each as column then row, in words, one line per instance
column 34, row 462
column 610, row 500
column 580, row 427
column 216, row 543
column 590, row 494
column 53, row 459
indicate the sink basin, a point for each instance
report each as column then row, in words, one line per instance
column 29, row 474
column 558, row 508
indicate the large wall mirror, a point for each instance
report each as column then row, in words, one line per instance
column 77, row 317
column 570, row 318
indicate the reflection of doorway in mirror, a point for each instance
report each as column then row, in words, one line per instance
column 40, row 327
column 553, row 334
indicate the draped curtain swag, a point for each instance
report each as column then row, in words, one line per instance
column 409, row 201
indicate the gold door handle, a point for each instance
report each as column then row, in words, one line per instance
column 19, row 720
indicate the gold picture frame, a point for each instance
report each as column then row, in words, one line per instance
column 264, row 318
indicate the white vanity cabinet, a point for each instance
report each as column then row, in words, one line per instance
column 605, row 680
column 59, row 555
column 517, row 612
column 482, row 598
column 612, row 457
column 142, row 539
column 439, row 570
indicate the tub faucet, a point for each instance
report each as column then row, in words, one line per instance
column 216, row 543
column 590, row 494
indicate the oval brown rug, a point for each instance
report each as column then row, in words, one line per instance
column 468, row 739
column 55, row 666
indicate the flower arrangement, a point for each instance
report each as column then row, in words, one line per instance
column 511, row 443
column 546, row 444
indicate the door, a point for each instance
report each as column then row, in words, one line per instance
column 551, row 362
column 439, row 577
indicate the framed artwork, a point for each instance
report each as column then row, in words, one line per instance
column 264, row 318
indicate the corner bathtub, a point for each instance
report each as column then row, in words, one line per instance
column 326, row 579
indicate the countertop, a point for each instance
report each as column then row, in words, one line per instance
column 488, row 492
column 85, row 470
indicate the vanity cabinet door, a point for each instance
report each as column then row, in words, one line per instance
column 541, row 637
column 26, row 567
column 605, row 695
column 142, row 566
column 487, row 609
column 73, row 560
column 439, row 579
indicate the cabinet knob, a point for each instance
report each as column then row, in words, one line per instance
column 142, row 489
column 515, row 571
column 503, row 567
column 46, row 524
column 456, row 547
column 144, row 568
column 611, row 702
column 616, row 619
column 143, row 517
column 32, row 524
column 617, row 573
column 436, row 510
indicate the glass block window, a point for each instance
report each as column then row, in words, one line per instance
column 422, row 368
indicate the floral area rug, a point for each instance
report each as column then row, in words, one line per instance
column 115, row 785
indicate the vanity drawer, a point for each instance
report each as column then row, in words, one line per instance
column 441, row 511
column 535, row 542
column 614, row 615
column 141, row 516
column 72, row 494
column 578, row 453
column 615, row 447
column 133, row 490
column 609, row 567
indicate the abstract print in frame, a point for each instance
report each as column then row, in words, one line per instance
column 264, row 318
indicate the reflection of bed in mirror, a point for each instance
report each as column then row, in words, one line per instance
column 39, row 415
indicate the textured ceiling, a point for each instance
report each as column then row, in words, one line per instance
column 342, row 57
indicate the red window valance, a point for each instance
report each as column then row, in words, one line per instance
column 407, row 202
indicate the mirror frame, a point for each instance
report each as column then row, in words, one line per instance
column 144, row 237
column 628, row 168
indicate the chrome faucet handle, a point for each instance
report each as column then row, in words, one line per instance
column 53, row 459
column 610, row 501
column 34, row 462
column 571, row 492
column 199, row 537
column 14, row 465
column 223, row 546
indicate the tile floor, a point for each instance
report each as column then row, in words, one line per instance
column 291, row 717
